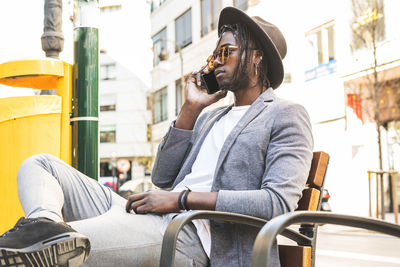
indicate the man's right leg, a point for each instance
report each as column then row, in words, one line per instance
column 50, row 188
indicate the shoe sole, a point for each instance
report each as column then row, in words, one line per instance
column 65, row 250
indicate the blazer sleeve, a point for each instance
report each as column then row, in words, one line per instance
column 170, row 154
column 287, row 165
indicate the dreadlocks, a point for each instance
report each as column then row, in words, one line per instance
column 247, row 42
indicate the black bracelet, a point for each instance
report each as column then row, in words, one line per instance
column 185, row 196
column 181, row 203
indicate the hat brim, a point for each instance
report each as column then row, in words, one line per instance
column 231, row 15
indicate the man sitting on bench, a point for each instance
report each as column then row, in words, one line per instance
column 252, row 157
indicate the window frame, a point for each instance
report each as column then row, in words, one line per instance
column 113, row 132
column 214, row 8
column 179, row 96
column 107, row 67
column 322, row 39
column 159, row 45
column 160, row 101
column 186, row 25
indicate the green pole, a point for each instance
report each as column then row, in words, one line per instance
column 85, row 107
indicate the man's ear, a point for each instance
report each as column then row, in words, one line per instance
column 258, row 56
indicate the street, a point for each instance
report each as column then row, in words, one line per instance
column 344, row 246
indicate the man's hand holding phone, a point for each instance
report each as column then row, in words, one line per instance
column 197, row 99
column 197, row 92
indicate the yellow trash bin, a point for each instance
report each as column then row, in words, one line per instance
column 31, row 125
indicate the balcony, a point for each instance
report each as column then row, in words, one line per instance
column 321, row 70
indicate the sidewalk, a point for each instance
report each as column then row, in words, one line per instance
column 350, row 246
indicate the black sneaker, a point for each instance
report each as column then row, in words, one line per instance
column 42, row 242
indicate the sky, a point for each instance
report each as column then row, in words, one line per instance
column 21, row 26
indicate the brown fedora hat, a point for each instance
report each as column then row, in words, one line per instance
column 270, row 37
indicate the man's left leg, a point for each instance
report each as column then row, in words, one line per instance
column 119, row 238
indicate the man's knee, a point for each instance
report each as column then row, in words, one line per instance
column 43, row 160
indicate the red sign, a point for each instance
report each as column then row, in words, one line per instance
column 123, row 165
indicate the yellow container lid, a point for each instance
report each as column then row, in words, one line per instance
column 35, row 74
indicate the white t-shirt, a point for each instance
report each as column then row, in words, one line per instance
column 201, row 177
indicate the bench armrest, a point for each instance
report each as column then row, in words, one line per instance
column 174, row 227
column 269, row 232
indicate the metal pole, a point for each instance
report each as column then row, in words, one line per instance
column 382, row 196
column 85, row 137
column 377, row 195
column 369, row 195
column 52, row 38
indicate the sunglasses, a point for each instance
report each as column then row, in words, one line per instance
column 223, row 55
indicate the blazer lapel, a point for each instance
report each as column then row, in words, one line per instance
column 256, row 108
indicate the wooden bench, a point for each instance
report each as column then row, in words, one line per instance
column 304, row 255
column 290, row 256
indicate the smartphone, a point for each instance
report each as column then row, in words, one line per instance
column 210, row 82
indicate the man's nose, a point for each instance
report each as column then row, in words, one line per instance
column 217, row 62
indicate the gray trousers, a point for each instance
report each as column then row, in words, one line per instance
column 48, row 187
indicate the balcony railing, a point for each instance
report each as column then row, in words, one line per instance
column 321, row 70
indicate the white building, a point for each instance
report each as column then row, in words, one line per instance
column 323, row 62
column 125, row 62
column 190, row 25
column 124, row 118
column 319, row 63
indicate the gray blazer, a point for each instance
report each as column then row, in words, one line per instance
column 261, row 170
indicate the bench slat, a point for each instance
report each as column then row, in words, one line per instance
column 318, row 168
column 309, row 200
column 295, row 256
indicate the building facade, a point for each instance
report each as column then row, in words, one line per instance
column 184, row 35
column 123, row 119
column 321, row 67
column 123, row 86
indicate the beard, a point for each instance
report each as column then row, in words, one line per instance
column 236, row 82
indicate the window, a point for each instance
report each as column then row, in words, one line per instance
column 160, row 101
column 107, row 133
column 322, row 44
column 179, row 96
column 241, row 4
column 107, row 108
column 107, row 102
column 331, row 43
column 107, row 72
column 321, row 51
column 105, row 169
column 209, row 15
column 159, row 45
column 183, row 29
